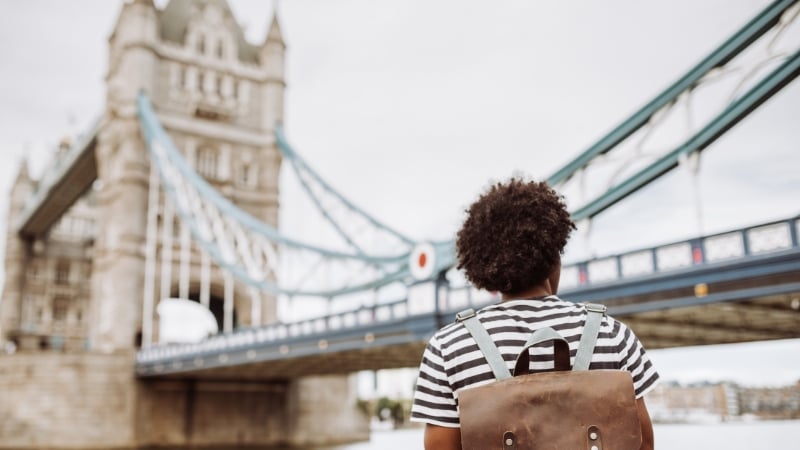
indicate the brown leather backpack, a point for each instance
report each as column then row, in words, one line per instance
column 560, row 410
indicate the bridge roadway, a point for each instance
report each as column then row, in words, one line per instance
column 737, row 286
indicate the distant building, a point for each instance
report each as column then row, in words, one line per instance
column 771, row 403
column 704, row 402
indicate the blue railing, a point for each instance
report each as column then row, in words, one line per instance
column 755, row 240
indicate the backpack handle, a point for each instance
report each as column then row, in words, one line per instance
column 540, row 336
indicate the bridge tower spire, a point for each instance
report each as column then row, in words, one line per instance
column 272, row 56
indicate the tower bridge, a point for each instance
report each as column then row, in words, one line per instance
column 176, row 188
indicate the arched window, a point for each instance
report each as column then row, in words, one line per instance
column 206, row 163
column 182, row 77
column 62, row 272
column 33, row 271
column 201, row 44
column 218, row 85
column 201, row 82
column 60, row 308
column 220, row 49
column 248, row 176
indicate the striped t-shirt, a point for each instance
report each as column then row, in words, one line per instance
column 452, row 360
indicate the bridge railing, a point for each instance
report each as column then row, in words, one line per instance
column 751, row 241
column 365, row 317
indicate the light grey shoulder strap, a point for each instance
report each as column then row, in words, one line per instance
column 594, row 316
column 485, row 343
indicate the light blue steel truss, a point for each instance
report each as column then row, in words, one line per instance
column 769, row 25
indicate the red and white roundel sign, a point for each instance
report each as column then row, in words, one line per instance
column 422, row 261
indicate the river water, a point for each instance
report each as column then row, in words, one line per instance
column 767, row 435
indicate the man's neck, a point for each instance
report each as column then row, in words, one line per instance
column 541, row 290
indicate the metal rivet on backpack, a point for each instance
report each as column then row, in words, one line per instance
column 593, row 433
column 508, row 441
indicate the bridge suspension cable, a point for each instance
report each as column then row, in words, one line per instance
column 257, row 254
column 358, row 228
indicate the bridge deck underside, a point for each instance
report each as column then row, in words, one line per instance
column 761, row 319
column 68, row 186
column 343, row 362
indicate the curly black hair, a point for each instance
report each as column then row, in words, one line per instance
column 513, row 236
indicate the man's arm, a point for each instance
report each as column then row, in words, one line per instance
column 644, row 421
column 443, row 438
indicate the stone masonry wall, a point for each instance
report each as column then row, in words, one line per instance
column 322, row 411
column 68, row 401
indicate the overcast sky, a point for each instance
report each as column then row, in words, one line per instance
column 411, row 107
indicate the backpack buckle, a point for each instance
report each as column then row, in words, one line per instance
column 465, row 314
column 596, row 308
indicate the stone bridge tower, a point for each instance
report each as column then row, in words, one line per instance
column 219, row 97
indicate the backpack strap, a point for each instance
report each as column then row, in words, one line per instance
column 594, row 316
column 485, row 343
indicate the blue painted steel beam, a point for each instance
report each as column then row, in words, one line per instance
column 747, row 268
column 732, row 115
column 720, row 297
column 751, row 32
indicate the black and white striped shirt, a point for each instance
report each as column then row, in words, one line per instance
column 452, row 360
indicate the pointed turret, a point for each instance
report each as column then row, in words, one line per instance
column 23, row 174
column 272, row 56
column 273, row 50
column 21, row 190
column 132, row 58
column 274, row 34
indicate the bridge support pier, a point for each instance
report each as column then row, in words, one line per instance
column 93, row 401
column 322, row 411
